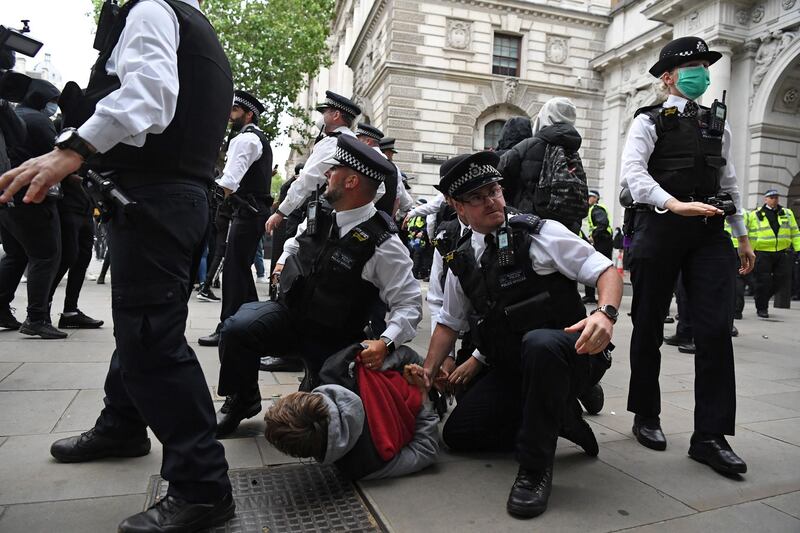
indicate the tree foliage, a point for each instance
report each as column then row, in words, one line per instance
column 274, row 47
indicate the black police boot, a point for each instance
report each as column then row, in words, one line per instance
column 7, row 319
column 688, row 347
column 280, row 364
column 173, row 515
column 714, row 451
column 41, row 328
column 91, row 445
column 593, row 399
column 669, row 320
column 530, row 492
column 210, row 340
column 762, row 313
column 676, row 340
column 236, row 408
column 205, row 294
column 647, row 431
column 78, row 321
column 575, row 429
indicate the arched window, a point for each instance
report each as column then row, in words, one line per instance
column 491, row 134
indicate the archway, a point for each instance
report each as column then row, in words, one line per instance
column 493, row 116
column 793, row 197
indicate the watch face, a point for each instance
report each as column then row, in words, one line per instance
column 611, row 310
column 64, row 135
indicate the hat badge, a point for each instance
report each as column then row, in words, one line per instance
column 701, row 47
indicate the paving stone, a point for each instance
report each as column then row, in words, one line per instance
column 82, row 412
column 615, row 416
column 288, row 378
column 30, row 412
column 38, row 477
column 789, row 400
column 608, row 499
column 754, row 387
column 787, row 430
column 86, row 515
column 7, row 368
column 788, row 503
column 747, row 409
column 751, row 516
column 54, row 376
column 698, row 485
column 271, row 455
column 66, row 351
column 242, row 453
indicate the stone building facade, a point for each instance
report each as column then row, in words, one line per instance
column 443, row 76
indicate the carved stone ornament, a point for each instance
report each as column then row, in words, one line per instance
column 758, row 13
column 742, row 16
column 626, row 74
column 693, row 20
column 788, row 4
column 641, row 66
column 650, row 95
column 510, row 89
column 771, row 47
column 557, row 50
column 791, row 96
column 459, row 34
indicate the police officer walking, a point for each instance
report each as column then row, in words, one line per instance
column 600, row 234
column 677, row 165
column 154, row 115
column 247, row 181
column 773, row 232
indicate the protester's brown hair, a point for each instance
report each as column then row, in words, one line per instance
column 297, row 425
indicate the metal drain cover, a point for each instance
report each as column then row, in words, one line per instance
column 290, row 498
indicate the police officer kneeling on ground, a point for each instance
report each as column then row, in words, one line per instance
column 342, row 266
column 677, row 165
column 154, row 113
column 512, row 285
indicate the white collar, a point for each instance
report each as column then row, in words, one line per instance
column 676, row 101
column 351, row 218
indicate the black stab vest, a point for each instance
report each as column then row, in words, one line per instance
column 687, row 156
column 447, row 237
column 509, row 302
column 257, row 181
column 189, row 146
column 321, row 284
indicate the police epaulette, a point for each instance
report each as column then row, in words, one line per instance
column 334, row 134
column 390, row 225
column 466, row 237
column 525, row 220
column 647, row 109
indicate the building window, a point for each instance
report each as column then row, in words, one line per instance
column 491, row 134
column 505, row 60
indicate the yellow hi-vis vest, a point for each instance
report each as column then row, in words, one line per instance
column 591, row 222
column 764, row 239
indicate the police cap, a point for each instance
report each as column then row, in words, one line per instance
column 352, row 153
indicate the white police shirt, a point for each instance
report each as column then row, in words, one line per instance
column 243, row 150
column 145, row 59
column 645, row 190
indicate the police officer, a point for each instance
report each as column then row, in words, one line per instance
column 247, row 181
column 600, row 234
column 154, row 113
column 338, row 115
column 512, row 285
column 676, row 160
column 32, row 233
column 773, row 232
column 404, row 201
column 333, row 274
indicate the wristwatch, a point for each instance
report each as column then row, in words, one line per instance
column 389, row 344
column 609, row 310
column 69, row 139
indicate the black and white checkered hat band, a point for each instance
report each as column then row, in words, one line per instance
column 341, row 107
column 347, row 159
column 241, row 102
column 475, row 170
column 370, row 134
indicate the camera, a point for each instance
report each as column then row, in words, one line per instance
column 14, row 85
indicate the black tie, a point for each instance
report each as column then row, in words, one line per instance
column 334, row 228
column 690, row 109
column 489, row 254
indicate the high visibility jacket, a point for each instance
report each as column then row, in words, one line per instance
column 727, row 228
column 598, row 220
column 764, row 239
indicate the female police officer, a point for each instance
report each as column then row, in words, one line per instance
column 676, row 163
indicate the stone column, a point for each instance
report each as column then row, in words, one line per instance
column 720, row 71
column 614, row 141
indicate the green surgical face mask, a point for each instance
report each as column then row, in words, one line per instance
column 693, row 81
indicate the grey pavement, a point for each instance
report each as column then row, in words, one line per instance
column 53, row 389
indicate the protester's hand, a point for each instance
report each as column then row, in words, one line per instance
column 277, row 270
column 373, row 355
column 40, row 173
column 747, row 258
column 273, row 222
column 464, row 374
column 692, row 209
column 404, row 225
column 596, row 333
column 415, row 375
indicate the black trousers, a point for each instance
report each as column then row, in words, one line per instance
column 221, row 224
column 523, row 408
column 260, row 328
column 684, row 328
column 772, row 270
column 244, row 238
column 698, row 248
column 77, row 240
column 31, row 236
column 279, row 237
column 154, row 378
column 605, row 247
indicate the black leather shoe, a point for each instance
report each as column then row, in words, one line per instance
column 530, row 492
column 280, row 364
column 7, row 319
column 648, row 432
column 79, row 321
column 734, row 332
column 689, row 347
column 210, row 340
column 173, row 515
column 205, row 294
column 669, row 320
column 234, row 410
column 575, row 429
column 593, row 399
column 42, row 329
column 676, row 340
column 763, row 314
column 714, row 451
column 91, row 445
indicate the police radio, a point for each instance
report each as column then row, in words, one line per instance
column 719, row 111
column 505, row 244
column 311, row 214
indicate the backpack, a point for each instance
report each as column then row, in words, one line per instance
column 562, row 193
